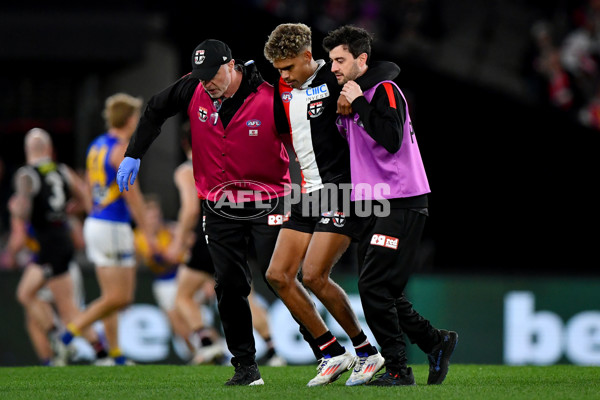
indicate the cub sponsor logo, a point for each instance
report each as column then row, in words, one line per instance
column 385, row 241
column 316, row 93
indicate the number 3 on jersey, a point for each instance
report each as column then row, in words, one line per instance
column 57, row 186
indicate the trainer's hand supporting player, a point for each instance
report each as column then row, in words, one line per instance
column 127, row 172
column 351, row 91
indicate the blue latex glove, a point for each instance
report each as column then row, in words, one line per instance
column 127, row 172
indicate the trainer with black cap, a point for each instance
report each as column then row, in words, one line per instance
column 208, row 58
column 241, row 171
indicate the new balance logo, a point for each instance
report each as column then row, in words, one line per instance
column 385, row 241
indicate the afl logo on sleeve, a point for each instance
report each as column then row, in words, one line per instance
column 286, row 97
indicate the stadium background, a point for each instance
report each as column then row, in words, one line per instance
column 514, row 211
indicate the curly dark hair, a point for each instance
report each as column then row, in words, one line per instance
column 287, row 41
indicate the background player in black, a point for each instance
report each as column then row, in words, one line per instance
column 380, row 142
column 43, row 189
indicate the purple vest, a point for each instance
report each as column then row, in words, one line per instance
column 246, row 158
column 376, row 173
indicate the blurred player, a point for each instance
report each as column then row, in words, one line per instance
column 19, row 245
column 165, row 272
column 107, row 230
column 42, row 191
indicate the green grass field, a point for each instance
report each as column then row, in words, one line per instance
column 289, row 383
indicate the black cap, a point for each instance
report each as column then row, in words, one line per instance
column 208, row 57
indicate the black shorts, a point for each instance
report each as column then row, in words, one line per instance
column 200, row 259
column 319, row 212
column 235, row 237
column 56, row 250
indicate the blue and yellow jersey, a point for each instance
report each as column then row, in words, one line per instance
column 108, row 202
column 160, row 268
column 31, row 243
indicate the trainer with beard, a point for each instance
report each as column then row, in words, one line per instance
column 241, row 171
column 384, row 150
